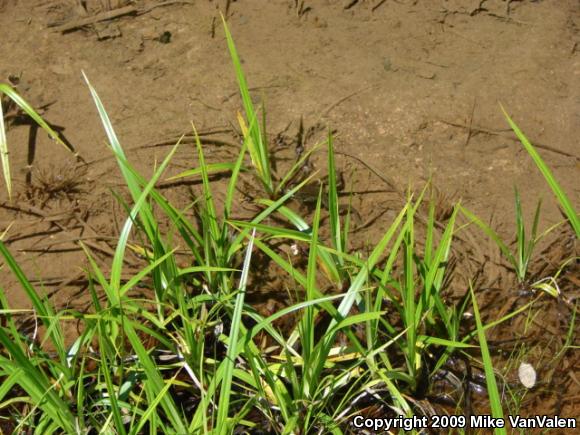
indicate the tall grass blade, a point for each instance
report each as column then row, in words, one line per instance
column 520, row 238
column 409, row 292
column 291, row 173
column 233, row 181
column 492, row 234
column 106, row 371
column 563, row 199
column 436, row 273
column 232, row 353
column 492, row 390
column 117, row 265
column 212, row 168
column 130, row 178
column 307, row 321
column 333, row 202
column 257, row 146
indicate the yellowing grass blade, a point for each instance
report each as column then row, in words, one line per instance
column 4, row 154
column 5, row 232
column 212, row 168
column 254, row 152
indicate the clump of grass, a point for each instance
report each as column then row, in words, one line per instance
column 520, row 258
column 186, row 359
column 53, row 183
column 525, row 243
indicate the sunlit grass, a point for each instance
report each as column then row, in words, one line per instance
column 193, row 357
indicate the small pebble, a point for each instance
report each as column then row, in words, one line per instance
column 527, row 375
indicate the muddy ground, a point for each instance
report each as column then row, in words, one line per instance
column 412, row 88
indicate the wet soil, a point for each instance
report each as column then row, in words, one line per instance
column 412, row 88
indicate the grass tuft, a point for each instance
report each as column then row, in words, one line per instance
column 373, row 332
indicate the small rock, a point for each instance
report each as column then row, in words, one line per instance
column 426, row 74
column 107, row 31
column 527, row 375
column 164, row 38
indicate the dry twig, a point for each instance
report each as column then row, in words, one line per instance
column 111, row 15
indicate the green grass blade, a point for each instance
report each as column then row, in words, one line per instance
column 333, row 202
column 289, row 214
column 207, row 193
column 435, row 275
column 275, row 232
column 257, row 146
column 533, row 235
column 233, row 181
column 265, row 213
column 185, row 227
column 494, row 398
column 21, row 102
column 151, row 409
column 117, row 266
column 563, row 199
column 328, row 259
column 105, row 369
column 491, row 234
column 430, row 230
column 131, row 179
column 211, row 168
column 409, row 292
column 307, row 321
column 520, row 238
column 138, row 277
column 232, row 353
